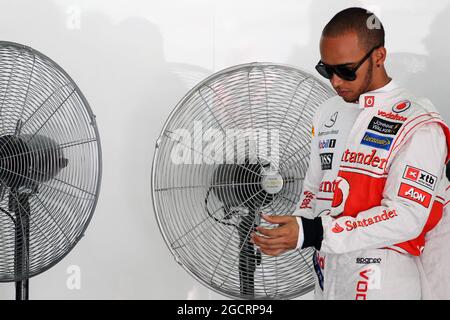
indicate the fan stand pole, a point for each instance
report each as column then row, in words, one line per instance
column 22, row 290
column 247, row 256
column 19, row 203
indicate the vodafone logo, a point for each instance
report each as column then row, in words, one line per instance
column 363, row 285
column 342, row 189
column 414, row 194
column 369, row 279
column 369, row 101
column 392, row 116
column 401, row 106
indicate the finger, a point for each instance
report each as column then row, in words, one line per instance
column 268, row 242
column 277, row 219
column 263, row 245
column 271, row 233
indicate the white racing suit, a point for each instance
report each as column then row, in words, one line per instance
column 434, row 263
column 373, row 189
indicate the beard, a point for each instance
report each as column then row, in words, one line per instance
column 364, row 86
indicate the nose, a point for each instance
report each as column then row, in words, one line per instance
column 336, row 81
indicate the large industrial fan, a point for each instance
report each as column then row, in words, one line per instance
column 237, row 145
column 50, row 164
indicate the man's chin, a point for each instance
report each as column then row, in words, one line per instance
column 350, row 99
column 348, row 96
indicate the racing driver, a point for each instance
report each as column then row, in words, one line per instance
column 376, row 178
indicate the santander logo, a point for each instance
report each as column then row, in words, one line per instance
column 328, row 186
column 340, row 196
column 337, row 228
column 366, row 222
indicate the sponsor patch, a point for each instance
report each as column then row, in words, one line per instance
column 332, row 120
column 383, row 126
column 326, row 160
column 376, row 141
column 420, row 176
column 328, row 186
column 328, row 143
column 392, row 116
column 351, row 225
column 306, row 203
column 340, row 195
column 369, row 101
column 369, row 278
column 368, row 260
column 362, row 286
column 386, row 215
column 371, row 159
column 414, row 194
column 326, row 133
column 401, row 106
column 337, row 228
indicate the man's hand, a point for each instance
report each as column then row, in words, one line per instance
column 276, row 241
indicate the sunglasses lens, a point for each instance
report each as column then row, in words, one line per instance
column 345, row 73
column 324, row 71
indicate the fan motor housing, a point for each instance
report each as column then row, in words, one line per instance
column 272, row 182
column 234, row 184
column 15, row 161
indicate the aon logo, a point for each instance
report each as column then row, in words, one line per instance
column 415, row 194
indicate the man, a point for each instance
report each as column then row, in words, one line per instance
column 373, row 186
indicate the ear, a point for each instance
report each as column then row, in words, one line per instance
column 379, row 56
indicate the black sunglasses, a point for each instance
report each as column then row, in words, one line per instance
column 343, row 71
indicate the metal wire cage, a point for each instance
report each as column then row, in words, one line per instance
column 50, row 163
column 235, row 146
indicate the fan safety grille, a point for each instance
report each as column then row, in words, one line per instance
column 237, row 145
column 49, row 163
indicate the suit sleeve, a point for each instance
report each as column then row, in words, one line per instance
column 406, row 204
column 313, row 177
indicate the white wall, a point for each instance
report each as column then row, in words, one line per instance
column 134, row 59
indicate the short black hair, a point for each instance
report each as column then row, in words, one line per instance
column 368, row 27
